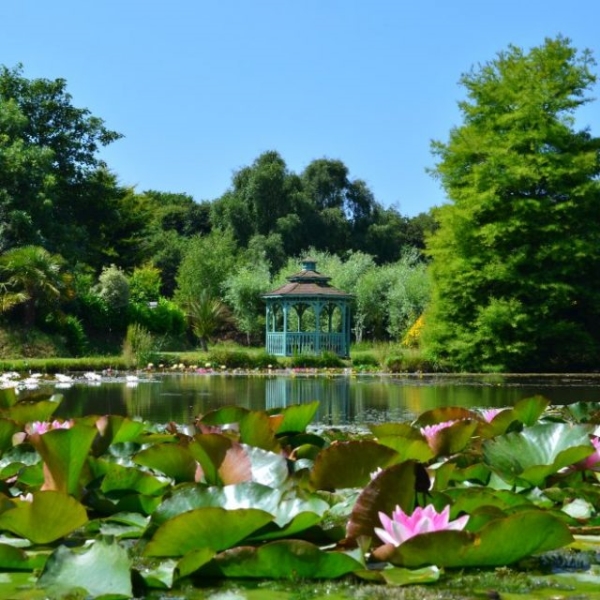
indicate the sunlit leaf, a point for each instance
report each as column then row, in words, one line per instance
column 209, row 450
column 297, row 417
column 399, row 576
column 445, row 413
column 7, row 429
column 103, row 569
column 28, row 412
column 529, row 410
column 214, row 528
column 193, row 560
column 225, row 415
column 121, row 479
column 47, row 518
column 531, row 455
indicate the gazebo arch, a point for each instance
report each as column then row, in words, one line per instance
column 307, row 315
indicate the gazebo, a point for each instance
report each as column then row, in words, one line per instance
column 307, row 315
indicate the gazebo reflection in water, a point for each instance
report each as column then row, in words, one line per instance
column 334, row 400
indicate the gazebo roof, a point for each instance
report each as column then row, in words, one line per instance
column 308, row 282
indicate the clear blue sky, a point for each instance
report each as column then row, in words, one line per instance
column 201, row 88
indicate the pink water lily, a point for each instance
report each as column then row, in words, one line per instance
column 489, row 414
column 591, row 462
column 401, row 527
column 430, row 431
column 42, row 427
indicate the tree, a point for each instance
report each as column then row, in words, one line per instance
column 206, row 315
column 49, row 188
column 516, row 258
column 243, row 291
column 33, row 278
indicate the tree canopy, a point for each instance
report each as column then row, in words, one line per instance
column 516, row 258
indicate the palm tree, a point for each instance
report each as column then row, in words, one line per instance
column 207, row 315
column 31, row 276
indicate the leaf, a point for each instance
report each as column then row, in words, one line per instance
column 529, row 456
column 174, row 460
column 399, row 576
column 129, row 479
column 393, row 486
column 49, row 517
column 225, row 415
column 7, row 429
column 349, row 464
column 102, row 569
column 214, row 528
column 289, row 559
column 64, row 452
column 255, row 430
column 529, row 410
column 28, row 412
column 445, row 413
column 210, row 449
column 500, row 542
column 297, row 417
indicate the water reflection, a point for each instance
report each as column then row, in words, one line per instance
column 343, row 399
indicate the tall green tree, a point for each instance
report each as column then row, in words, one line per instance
column 516, row 258
column 51, row 194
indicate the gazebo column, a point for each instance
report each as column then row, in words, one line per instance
column 317, row 333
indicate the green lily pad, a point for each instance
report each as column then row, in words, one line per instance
column 214, row 528
column 7, row 429
column 500, row 542
column 64, row 452
column 28, row 412
column 529, row 456
column 118, row 480
column 281, row 560
column 297, row 417
column 210, row 449
column 174, row 460
column 256, row 430
column 103, row 569
column 47, row 518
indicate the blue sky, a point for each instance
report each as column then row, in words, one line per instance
column 201, row 88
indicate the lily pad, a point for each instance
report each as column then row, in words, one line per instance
column 526, row 458
column 103, row 569
column 288, row 559
column 350, row 464
column 174, row 460
column 500, row 542
column 214, row 528
column 48, row 517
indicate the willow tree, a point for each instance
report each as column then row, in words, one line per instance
column 516, row 258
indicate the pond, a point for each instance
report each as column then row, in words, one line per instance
column 344, row 399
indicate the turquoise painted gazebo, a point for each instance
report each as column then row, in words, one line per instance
column 307, row 315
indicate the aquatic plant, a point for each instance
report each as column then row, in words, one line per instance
column 118, row 508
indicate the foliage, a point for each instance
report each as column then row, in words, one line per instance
column 144, row 284
column 139, row 346
column 515, row 259
column 163, row 318
column 286, row 499
column 207, row 315
column 113, row 287
column 35, row 279
column 54, row 190
column 243, row 290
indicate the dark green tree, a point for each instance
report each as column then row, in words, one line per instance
column 50, row 191
column 516, row 258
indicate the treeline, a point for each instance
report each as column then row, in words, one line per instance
column 83, row 257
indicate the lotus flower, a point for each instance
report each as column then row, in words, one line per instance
column 42, row 427
column 591, row 462
column 430, row 431
column 489, row 414
column 401, row 527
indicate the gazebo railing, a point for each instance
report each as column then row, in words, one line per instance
column 287, row 343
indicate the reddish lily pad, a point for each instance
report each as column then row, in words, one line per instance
column 174, row 460
column 350, row 464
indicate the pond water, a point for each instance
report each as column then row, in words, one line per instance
column 344, row 399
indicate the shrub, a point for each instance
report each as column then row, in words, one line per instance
column 138, row 347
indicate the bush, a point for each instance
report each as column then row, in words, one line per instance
column 75, row 339
column 165, row 318
column 364, row 359
column 327, row 360
column 139, row 346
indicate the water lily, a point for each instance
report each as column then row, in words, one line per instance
column 42, row 427
column 401, row 527
column 489, row 414
column 592, row 462
column 430, row 431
